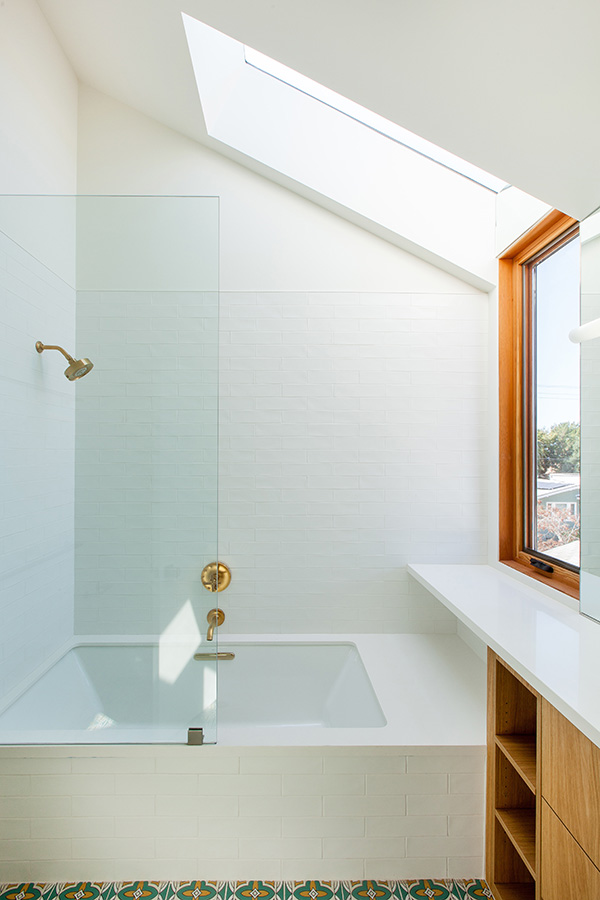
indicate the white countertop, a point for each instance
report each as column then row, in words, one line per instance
column 549, row 644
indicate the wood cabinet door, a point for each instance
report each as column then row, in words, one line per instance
column 567, row 873
column 571, row 779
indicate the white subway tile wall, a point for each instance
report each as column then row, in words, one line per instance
column 113, row 813
column 352, row 440
column 146, row 461
column 37, row 406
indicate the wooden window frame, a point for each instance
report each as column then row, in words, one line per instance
column 512, row 473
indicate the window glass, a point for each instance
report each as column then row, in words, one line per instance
column 552, row 410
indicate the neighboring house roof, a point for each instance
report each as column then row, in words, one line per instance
column 552, row 488
column 569, row 553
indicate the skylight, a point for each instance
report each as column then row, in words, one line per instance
column 370, row 119
column 350, row 161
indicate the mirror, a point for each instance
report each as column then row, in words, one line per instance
column 590, row 418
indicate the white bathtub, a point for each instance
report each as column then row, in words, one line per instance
column 279, row 690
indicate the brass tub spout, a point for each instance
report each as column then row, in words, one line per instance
column 214, row 618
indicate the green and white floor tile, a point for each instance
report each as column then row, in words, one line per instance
column 424, row 889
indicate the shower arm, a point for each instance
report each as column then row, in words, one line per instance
column 41, row 347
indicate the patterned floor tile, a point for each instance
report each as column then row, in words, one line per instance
column 375, row 890
column 199, row 890
column 51, row 891
column 430, row 889
column 109, row 890
column 258, row 890
column 226, row 889
column 472, row 888
column 77, row 890
column 134, row 890
column 424, row 889
column 399, row 889
column 20, row 891
column 344, row 890
column 314, row 890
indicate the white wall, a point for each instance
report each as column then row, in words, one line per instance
column 353, row 385
column 36, row 474
column 38, row 105
column 271, row 239
column 352, row 442
column 38, row 141
column 147, row 244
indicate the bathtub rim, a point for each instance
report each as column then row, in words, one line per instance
column 390, row 660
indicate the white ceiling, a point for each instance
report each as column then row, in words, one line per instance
column 510, row 86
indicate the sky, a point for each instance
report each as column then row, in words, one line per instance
column 558, row 280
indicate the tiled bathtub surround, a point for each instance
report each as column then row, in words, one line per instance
column 36, row 475
column 172, row 813
column 352, row 440
column 251, row 890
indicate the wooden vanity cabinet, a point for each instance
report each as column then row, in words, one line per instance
column 571, row 779
column 567, row 872
column 543, row 796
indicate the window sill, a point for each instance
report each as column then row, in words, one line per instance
column 529, row 572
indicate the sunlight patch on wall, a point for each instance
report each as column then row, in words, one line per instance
column 177, row 644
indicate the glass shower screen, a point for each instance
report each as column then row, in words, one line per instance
column 146, row 449
column 122, row 477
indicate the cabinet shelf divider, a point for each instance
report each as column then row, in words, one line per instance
column 519, row 749
column 519, row 825
column 514, row 891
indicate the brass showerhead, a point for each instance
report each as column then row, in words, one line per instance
column 77, row 368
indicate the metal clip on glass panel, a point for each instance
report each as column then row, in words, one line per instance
column 195, row 736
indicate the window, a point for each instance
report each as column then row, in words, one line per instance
column 539, row 404
column 571, row 507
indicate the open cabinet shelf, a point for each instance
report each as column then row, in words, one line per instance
column 513, row 779
column 514, row 891
column 520, row 750
column 519, row 825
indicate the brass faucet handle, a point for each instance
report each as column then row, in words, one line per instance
column 215, row 577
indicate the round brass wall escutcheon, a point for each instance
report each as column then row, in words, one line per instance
column 215, row 617
column 216, row 576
